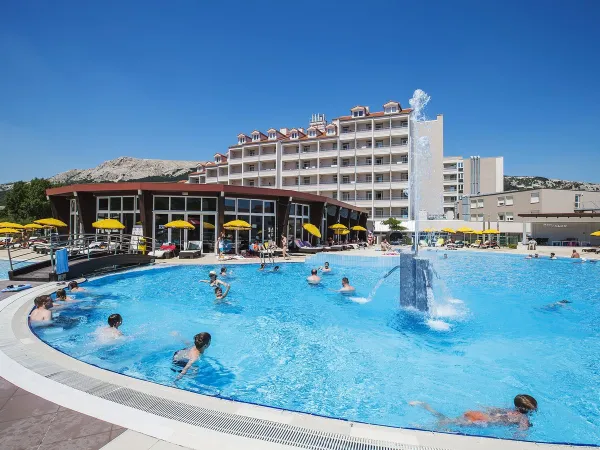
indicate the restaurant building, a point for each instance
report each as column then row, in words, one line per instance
column 270, row 212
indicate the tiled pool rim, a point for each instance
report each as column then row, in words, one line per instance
column 186, row 418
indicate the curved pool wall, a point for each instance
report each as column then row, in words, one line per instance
column 188, row 419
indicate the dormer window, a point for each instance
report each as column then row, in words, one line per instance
column 273, row 135
column 256, row 137
column 391, row 109
column 218, row 159
column 294, row 135
column 359, row 113
column 331, row 131
column 241, row 140
column 312, row 133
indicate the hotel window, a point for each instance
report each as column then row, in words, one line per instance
column 346, row 146
column 345, row 196
column 473, row 204
column 272, row 135
column 480, row 203
column 250, row 182
column 461, row 188
column 241, row 140
column 306, row 148
column 334, row 195
column 369, row 195
column 378, row 144
column 460, row 166
column 509, row 217
column 251, row 153
column 461, row 176
column 251, row 168
column 255, row 137
column 369, row 178
column 404, row 159
column 379, row 178
column 500, row 201
column 404, row 124
column 369, row 127
column 501, row 217
column 369, row 144
column 535, row 197
column 345, row 162
column 368, row 161
column 306, row 164
column 312, row 133
column 391, row 109
column 379, row 126
column 404, row 141
column 378, row 195
column 296, row 165
column 378, row 212
column 306, row 180
column 509, row 200
column 378, row 161
column 360, row 113
column 294, row 135
column 346, row 179
column 345, row 129
column 578, row 201
column 335, row 179
column 334, row 146
column 218, row 159
column 330, row 131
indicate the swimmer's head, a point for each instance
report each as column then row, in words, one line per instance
column 564, row 302
column 202, row 340
column 218, row 290
column 345, row 281
column 212, row 274
column 115, row 320
column 43, row 300
column 262, row 265
column 313, row 272
column 552, row 254
column 326, row 265
column 275, row 269
column 525, row 403
column 223, row 270
column 61, row 294
column 73, row 285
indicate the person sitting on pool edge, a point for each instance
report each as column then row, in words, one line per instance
column 42, row 312
column 325, row 268
column 313, row 278
column 219, row 295
column 74, row 286
column 213, row 281
column 524, row 405
column 188, row 356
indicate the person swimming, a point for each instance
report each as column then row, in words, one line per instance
column 213, row 281
column 188, row 356
column 61, row 295
column 445, row 255
column 219, row 295
column 553, row 256
column 313, row 278
column 42, row 313
column 524, row 405
column 74, row 286
column 223, row 273
column 346, row 288
column 111, row 332
column 325, row 268
column 275, row 269
column 262, row 267
column 558, row 304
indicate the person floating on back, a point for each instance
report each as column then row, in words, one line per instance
column 524, row 405
column 313, row 278
column 42, row 313
column 74, row 287
column 188, row 356
column 325, row 268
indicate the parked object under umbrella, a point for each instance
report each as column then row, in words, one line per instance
column 237, row 225
column 180, row 225
column 108, row 225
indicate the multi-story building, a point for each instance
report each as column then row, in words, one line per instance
column 464, row 177
column 362, row 159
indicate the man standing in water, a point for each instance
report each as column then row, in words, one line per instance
column 313, row 278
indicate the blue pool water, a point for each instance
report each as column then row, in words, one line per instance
column 4, row 268
column 282, row 343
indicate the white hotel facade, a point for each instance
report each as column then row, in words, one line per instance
column 362, row 159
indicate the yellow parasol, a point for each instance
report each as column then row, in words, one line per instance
column 490, row 231
column 51, row 222
column 358, row 228
column 465, row 230
column 33, row 226
column 208, row 226
column 342, row 232
column 237, row 225
column 595, row 233
column 449, row 230
column 11, row 225
column 8, row 231
column 108, row 224
column 180, row 225
column 312, row 229
column 338, row 226
column 429, row 230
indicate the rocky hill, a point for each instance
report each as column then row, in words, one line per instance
column 515, row 183
column 128, row 169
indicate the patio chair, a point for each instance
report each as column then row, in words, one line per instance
column 306, row 247
column 476, row 244
column 192, row 250
column 164, row 252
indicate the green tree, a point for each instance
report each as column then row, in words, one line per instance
column 27, row 201
column 394, row 224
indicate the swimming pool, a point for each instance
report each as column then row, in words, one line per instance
column 281, row 343
column 4, row 268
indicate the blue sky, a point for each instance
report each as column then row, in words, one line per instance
column 84, row 82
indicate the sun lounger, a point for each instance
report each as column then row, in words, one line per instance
column 306, row 247
column 193, row 250
column 165, row 251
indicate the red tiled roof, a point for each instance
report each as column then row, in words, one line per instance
column 375, row 114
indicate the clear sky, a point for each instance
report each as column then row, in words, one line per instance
column 84, row 82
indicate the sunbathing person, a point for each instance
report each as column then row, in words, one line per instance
column 213, row 280
column 188, row 356
column 74, row 287
column 42, row 313
column 325, row 268
column 524, row 405
column 313, row 278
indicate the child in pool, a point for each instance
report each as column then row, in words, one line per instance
column 219, row 295
column 42, row 312
column 188, row 356
column 112, row 330
column 74, row 287
column 524, row 405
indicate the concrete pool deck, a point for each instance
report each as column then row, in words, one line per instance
column 161, row 417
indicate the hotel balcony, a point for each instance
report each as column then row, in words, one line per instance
column 331, row 169
column 399, row 148
column 347, row 169
column 450, row 169
column 348, row 186
column 364, row 133
column 312, row 187
column 399, row 183
column 235, row 175
column 312, row 170
column 251, row 158
column 250, row 173
column 289, row 156
column 364, row 168
column 381, row 132
column 328, row 153
column 364, row 151
column 399, row 166
column 268, row 156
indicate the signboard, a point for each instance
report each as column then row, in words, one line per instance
column 136, row 242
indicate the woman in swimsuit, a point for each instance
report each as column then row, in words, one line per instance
column 189, row 355
column 524, row 404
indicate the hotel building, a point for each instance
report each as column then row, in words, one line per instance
column 362, row 159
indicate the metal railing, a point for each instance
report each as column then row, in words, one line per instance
column 79, row 246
